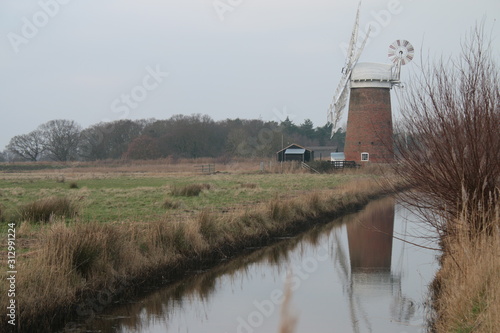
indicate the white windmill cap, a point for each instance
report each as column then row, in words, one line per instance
column 371, row 75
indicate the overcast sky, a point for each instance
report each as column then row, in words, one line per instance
column 93, row 61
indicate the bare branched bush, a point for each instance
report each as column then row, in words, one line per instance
column 448, row 142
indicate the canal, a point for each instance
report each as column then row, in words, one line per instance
column 361, row 273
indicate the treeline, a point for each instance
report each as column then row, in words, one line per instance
column 181, row 136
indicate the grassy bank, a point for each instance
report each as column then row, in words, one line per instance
column 128, row 230
column 467, row 286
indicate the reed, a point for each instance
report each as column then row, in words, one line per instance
column 191, row 190
column 44, row 210
column 466, row 290
column 171, row 204
column 208, row 227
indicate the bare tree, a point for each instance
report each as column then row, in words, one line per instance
column 142, row 148
column 448, row 147
column 108, row 140
column 61, row 139
column 28, row 146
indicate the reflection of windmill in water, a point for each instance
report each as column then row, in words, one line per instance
column 366, row 269
column 369, row 124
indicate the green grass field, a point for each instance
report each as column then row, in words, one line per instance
column 140, row 197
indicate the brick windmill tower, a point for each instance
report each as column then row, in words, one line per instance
column 369, row 121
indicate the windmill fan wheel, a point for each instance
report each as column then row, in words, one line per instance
column 401, row 51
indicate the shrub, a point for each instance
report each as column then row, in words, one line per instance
column 448, row 143
column 43, row 210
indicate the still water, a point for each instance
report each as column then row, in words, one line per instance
column 351, row 275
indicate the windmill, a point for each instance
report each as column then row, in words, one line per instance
column 369, row 124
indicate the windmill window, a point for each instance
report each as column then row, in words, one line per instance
column 365, row 157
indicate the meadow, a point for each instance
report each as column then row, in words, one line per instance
column 142, row 196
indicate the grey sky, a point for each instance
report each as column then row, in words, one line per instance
column 93, row 61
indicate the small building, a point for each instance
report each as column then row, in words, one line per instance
column 294, row 152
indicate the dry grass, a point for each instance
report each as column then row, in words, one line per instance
column 191, row 190
column 44, row 210
column 467, row 287
column 171, row 204
column 160, row 166
column 248, row 185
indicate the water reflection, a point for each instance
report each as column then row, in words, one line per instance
column 370, row 239
column 348, row 276
column 372, row 277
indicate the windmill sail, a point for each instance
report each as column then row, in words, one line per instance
column 341, row 93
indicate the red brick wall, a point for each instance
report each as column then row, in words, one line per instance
column 369, row 125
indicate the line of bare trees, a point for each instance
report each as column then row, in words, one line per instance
column 56, row 139
column 179, row 136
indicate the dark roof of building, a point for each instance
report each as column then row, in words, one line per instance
column 293, row 146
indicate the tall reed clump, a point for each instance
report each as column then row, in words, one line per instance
column 44, row 209
column 70, row 260
column 167, row 240
column 191, row 190
column 280, row 211
column 208, row 227
column 466, row 290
